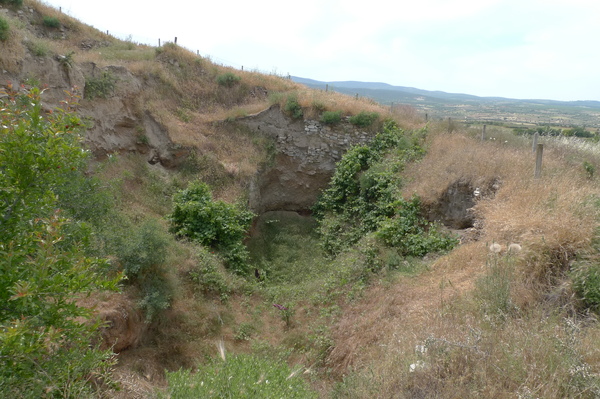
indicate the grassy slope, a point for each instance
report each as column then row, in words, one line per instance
column 494, row 325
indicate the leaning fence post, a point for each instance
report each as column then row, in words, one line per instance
column 538, row 160
column 483, row 133
column 175, row 39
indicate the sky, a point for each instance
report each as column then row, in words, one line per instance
column 525, row 49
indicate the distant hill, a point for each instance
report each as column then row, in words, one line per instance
column 439, row 104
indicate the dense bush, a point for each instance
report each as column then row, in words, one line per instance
column 331, row 117
column 410, row 234
column 240, row 376
column 228, row 79
column 363, row 196
column 217, row 224
column 4, row 29
column 364, row 118
column 45, row 336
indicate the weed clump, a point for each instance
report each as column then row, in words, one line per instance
column 101, row 86
column 331, row 117
column 17, row 3
column 228, row 79
column 4, row 29
column 293, row 108
column 364, row 119
column 586, row 283
column 51, row 22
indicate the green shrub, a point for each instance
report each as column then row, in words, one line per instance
column 206, row 275
column 101, row 86
column 364, row 119
column 4, row 29
column 217, row 224
column 241, row 376
column 331, row 117
column 228, row 79
column 142, row 252
column 293, row 108
column 45, row 337
column 363, row 197
column 410, row 234
column 586, row 283
column 51, row 22
column 17, row 3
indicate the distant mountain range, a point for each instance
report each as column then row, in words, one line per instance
column 439, row 104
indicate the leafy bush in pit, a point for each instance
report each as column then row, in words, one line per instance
column 240, row 376
column 4, row 29
column 363, row 196
column 228, row 79
column 331, row 117
column 45, row 337
column 364, row 119
column 217, row 224
column 410, row 234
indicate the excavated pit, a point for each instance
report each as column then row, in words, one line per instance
column 455, row 207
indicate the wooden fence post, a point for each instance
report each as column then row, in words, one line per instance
column 175, row 39
column 538, row 160
column 326, row 88
column 483, row 133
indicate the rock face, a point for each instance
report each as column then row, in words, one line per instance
column 306, row 152
column 117, row 125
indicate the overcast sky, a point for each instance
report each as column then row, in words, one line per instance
column 542, row 49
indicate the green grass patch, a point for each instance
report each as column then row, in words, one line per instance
column 240, row 376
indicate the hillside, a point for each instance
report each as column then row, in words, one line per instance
column 469, row 108
column 235, row 234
